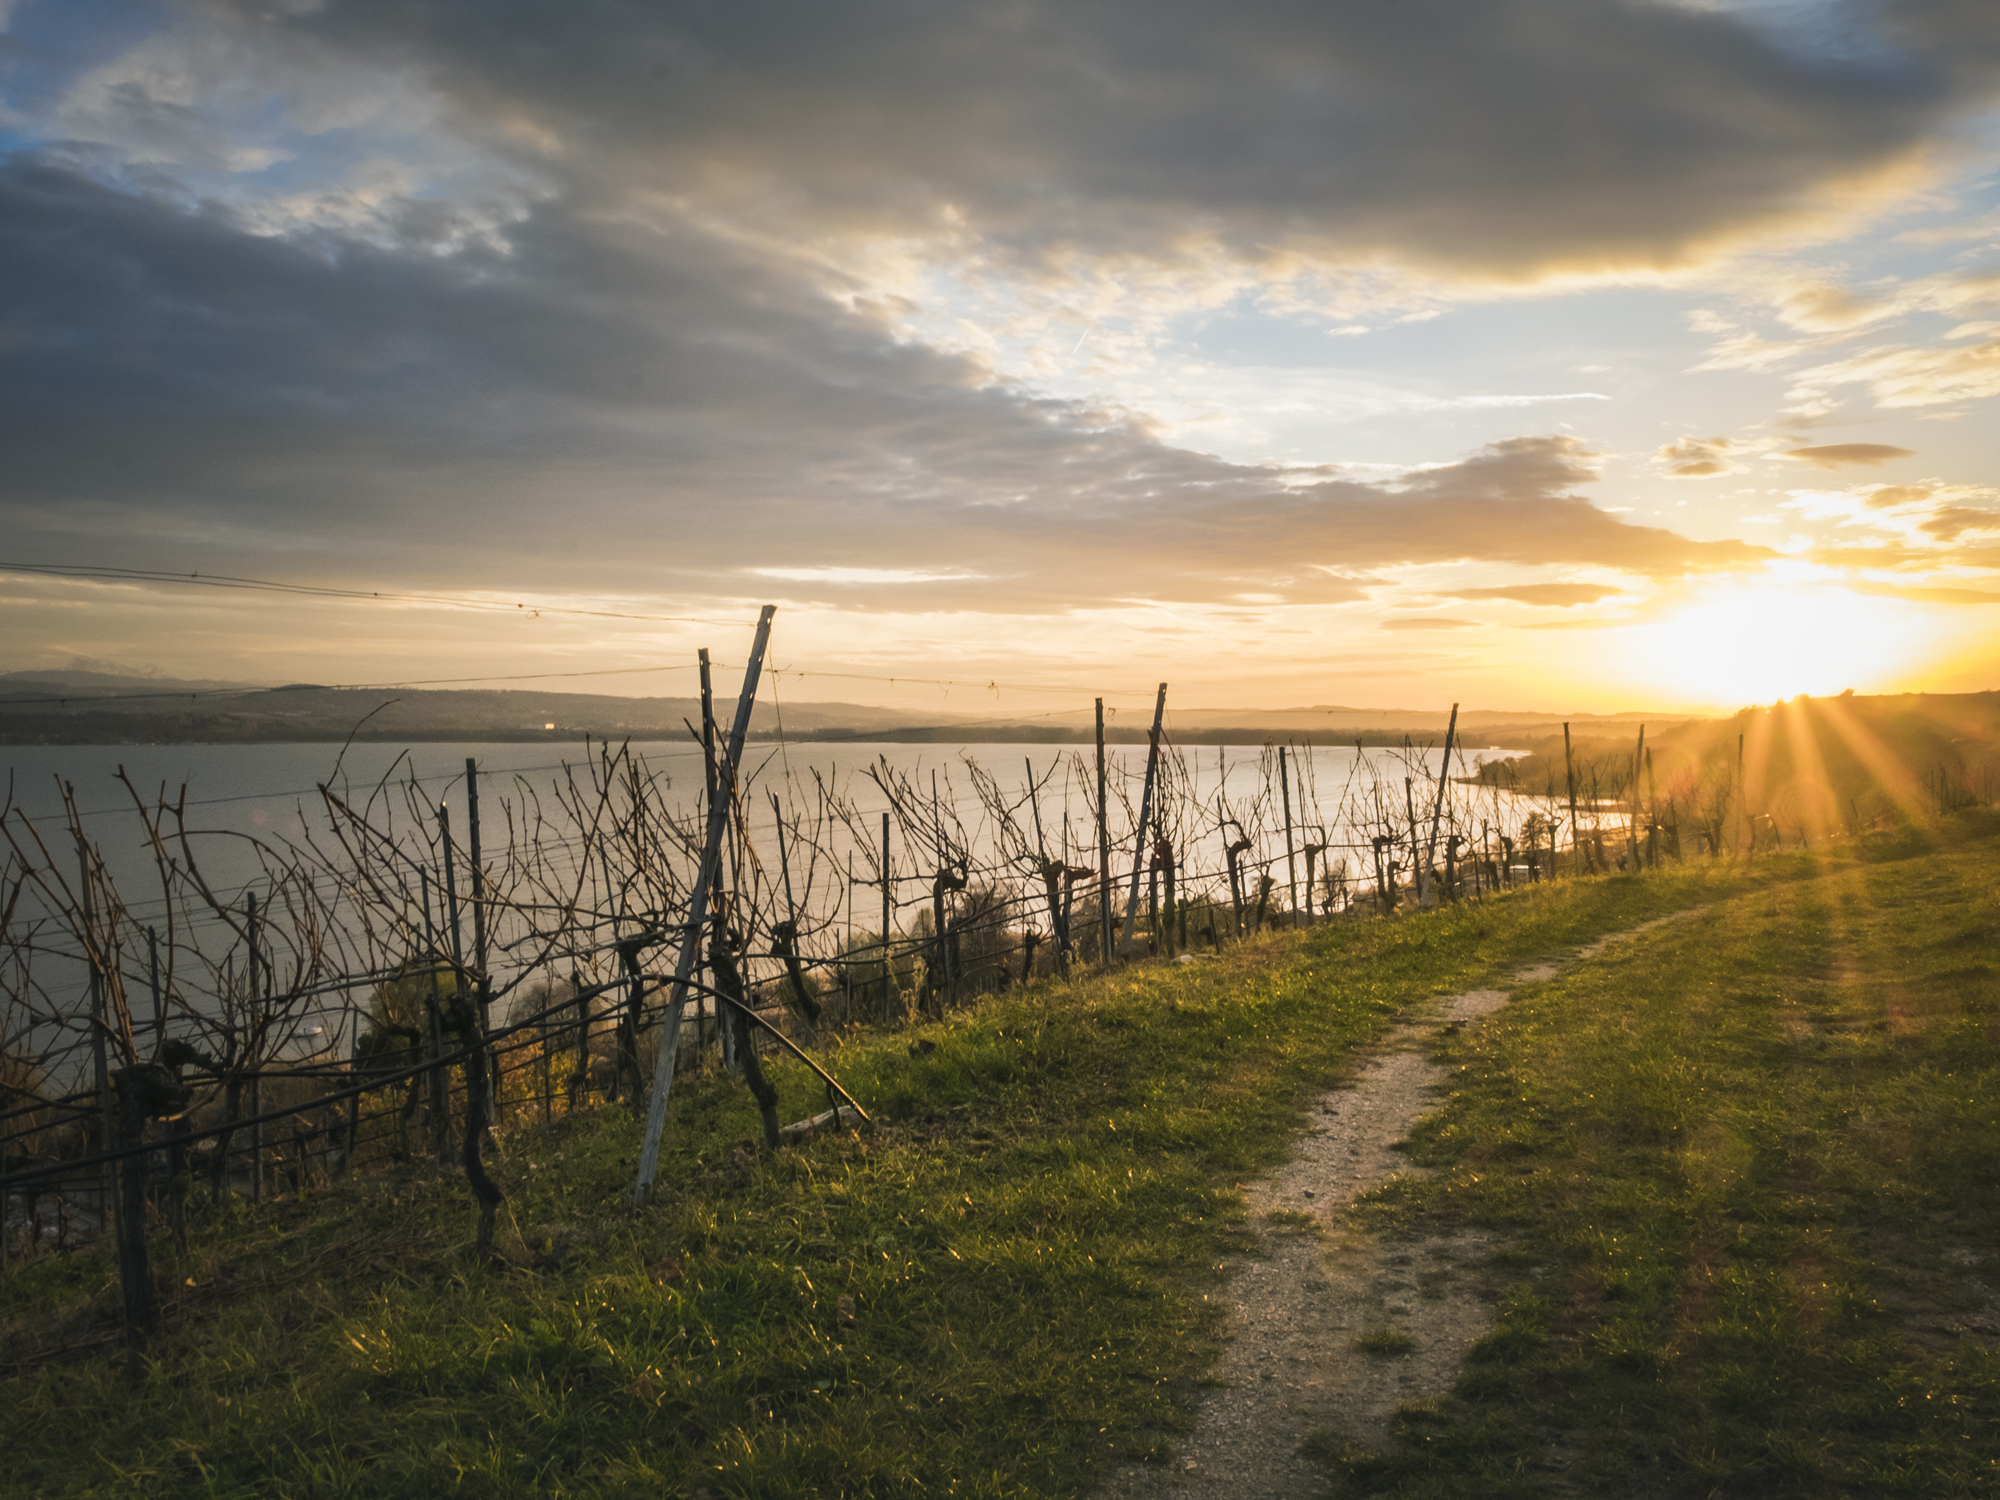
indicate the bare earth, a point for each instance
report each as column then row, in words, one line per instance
column 1292, row 1368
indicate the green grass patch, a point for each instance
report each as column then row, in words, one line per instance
column 1747, row 1168
column 1004, row 1293
column 1385, row 1342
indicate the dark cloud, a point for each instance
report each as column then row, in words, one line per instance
column 1837, row 455
column 603, row 408
column 1495, row 135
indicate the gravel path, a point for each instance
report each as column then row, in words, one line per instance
column 1292, row 1368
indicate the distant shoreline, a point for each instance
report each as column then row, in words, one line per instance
column 1374, row 739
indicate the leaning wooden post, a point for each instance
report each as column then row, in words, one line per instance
column 711, row 859
column 1575, row 828
column 1145, row 818
column 1291, row 867
column 1437, row 813
column 1103, row 850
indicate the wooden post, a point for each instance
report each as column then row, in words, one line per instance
column 159, row 1000
column 1145, row 818
column 1103, row 849
column 579, row 1079
column 1153, row 905
column 439, row 1079
column 451, row 913
column 257, row 1061
column 1437, row 813
column 939, row 936
column 135, row 1280
column 1575, row 828
column 1742, row 813
column 107, row 1119
column 1652, row 817
column 481, row 987
column 888, row 971
column 1291, row 866
column 785, row 938
column 1632, row 806
column 718, row 814
column 707, row 727
column 778, row 817
column 1053, row 885
column 1416, row 848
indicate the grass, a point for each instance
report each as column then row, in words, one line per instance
column 1003, row 1294
column 1743, row 1165
column 1746, row 1166
column 1385, row 1342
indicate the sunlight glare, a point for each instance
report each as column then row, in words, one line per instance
column 1741, row 645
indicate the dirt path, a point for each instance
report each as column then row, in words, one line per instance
column 1294, row 1366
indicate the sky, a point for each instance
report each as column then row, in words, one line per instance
column 1569, row 354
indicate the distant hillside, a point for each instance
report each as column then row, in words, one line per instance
column 36, row 710
column 87, row 707
column 1812, row 766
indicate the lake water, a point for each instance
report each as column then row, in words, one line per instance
column 243, row 796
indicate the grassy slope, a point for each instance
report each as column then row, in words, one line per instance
column 1747, row 1167
column 1028, row 1256
column 1029, row 1253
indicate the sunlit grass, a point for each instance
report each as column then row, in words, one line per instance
column 1005, row 1293
column 1747, row 1170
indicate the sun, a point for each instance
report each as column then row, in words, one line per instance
column 1756, row 643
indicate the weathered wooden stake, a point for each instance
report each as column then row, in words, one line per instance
column 107, row 1120
column 1145, row 818
column 159, row 1000
column 1632, row 820
column 1575, row 828
column 257, row 1061
column 718, row 816
column 888, row 971
column 1437, row 813
column 1103, row 849
column 482, row 989
column 1291, row 867
column 1652, row 817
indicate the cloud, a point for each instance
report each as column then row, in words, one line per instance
column 1915, row 526
column 1428, row 622
column 1908, row 377
column 1508, row 137
column 1922, row 595
column 1546, row 595
column 1834, row 455
column 601, row 406
column 862, row 576
column 1697, row 458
